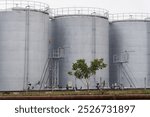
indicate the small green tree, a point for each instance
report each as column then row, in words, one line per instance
column 81, row 70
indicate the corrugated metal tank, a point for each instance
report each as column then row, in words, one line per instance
column 23, row 48
column 81, row 36
column 129, row 43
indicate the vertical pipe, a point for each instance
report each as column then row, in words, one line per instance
column 94, row 35
column 26, row 62
column 145, row 83
column 52, row 70
column 56, row 67
column 94, row 39
column 57, row 82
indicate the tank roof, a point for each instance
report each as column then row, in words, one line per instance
column 8, row 5
column 88, row 11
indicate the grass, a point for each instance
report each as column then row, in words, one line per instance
column 83, row 92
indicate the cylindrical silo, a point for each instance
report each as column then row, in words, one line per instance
column 23, row 45
column 129, row 50
column 81, row 33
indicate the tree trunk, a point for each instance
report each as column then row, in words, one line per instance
column 87, row 84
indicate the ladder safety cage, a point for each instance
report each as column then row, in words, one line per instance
column 121, row 58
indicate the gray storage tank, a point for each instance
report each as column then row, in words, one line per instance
column 23, row 44
column 80, row 33
column 129, row 50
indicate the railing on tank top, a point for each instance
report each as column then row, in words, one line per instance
column 6, row 5
column 79, row 11
column 129, row 16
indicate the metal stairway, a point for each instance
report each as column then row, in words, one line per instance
column 50, row 75
column 122, row 62
column 128, row 75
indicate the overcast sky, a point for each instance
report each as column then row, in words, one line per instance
column 114, row 6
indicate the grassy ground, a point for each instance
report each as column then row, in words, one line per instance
column 84, row 92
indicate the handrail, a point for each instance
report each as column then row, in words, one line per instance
column 79, row 11
column 129, row 16
column 6, row 5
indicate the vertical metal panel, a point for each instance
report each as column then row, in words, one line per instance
column 131, row 37
column 12, row 48
column 74, row 33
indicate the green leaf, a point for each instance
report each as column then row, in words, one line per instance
column 81, row 70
